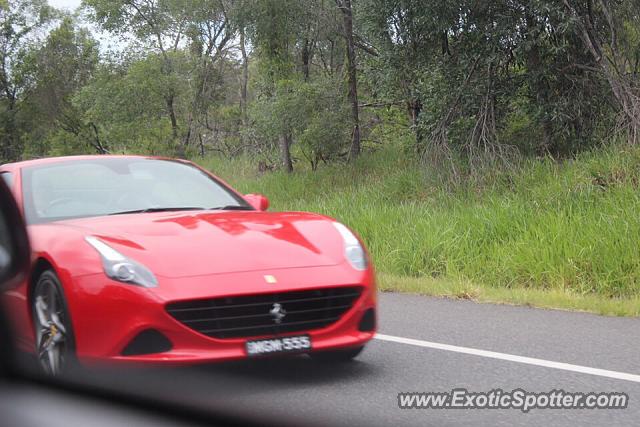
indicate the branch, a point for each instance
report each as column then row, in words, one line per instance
column 380, row 104
column 612, row 27
column 179, row 35
column 584, row 33
column 368, row 49
column 98, row 145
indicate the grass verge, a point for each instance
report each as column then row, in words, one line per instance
column 541, row 298
column 545, row 233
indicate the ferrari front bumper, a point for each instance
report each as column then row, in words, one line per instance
column 107, row 316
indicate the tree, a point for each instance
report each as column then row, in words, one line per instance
column 481, row 79
column 157, row 25
column 163, row 26
column 274, row 28
column 609, row 32
column 57, row 70
column 21, row 25
column 345, row 8
column 409, row 36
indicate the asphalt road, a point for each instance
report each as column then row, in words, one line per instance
column 364, row 392
column 444, row 344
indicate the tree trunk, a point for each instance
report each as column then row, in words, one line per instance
column 172, row 117
column 345, row 7
column 180, row 151
column 539, row 83
column 305, row 59
column 285, row 152
column 415, row 107
column 245, row 79
column 10, row 151
column 187, row 138
column 98, row 145
column 202, row 152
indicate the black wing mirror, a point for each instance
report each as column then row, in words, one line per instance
column 15, row 255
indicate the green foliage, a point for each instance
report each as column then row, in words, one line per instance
column 21, row 22
column 313, row 113
column 129, row 106
column 57, row 70
column 324, row 136
column 274, row 27
column 462, row 68
column 467, row 79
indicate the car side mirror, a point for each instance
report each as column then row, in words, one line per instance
column 258, row 201
column 15, row 254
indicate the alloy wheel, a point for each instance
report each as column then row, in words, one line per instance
column 51, row 329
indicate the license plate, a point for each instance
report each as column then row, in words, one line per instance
column 278, row 345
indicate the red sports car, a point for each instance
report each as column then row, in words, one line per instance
column 140, row 259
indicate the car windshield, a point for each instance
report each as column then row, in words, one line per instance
column 107, row 186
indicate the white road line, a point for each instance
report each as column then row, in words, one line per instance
column 513, row 358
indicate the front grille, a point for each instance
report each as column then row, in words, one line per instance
column 251, row 315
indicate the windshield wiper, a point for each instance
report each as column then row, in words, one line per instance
column 147, row 210
column 232, row 208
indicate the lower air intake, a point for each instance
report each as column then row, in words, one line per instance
column 149, row 341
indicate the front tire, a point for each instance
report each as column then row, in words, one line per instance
column 54, row 337
column 337, row 356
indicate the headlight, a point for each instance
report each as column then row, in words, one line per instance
column 353, row 250
column 120, row 268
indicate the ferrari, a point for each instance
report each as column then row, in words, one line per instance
column 157, row 261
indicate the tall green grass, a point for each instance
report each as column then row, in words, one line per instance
column 572, row 226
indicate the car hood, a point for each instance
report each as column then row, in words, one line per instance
column 203, row 243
